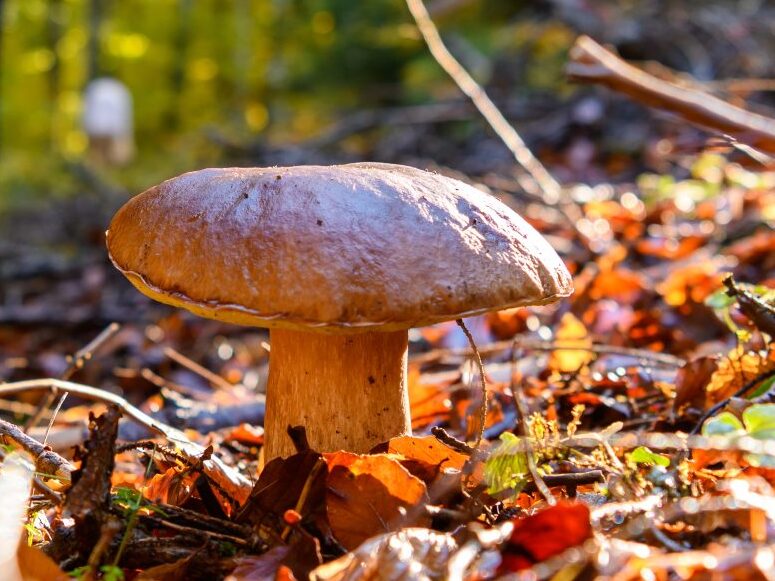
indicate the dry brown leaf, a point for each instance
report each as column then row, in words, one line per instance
column 413, row 553
column 572, row 333
column 172, row 487
column 177, row 571
column 692, row 380
column 369, row 495
column 736, row 369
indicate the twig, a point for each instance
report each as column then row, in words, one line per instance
column 662, row 359
column 86, row 353
column 46, row 461
column 76, row 362
column 213, row 378
column 466, row 83
column 231, row 481
column 448, row 439
column 591, row 62
column 569, row 480
column 522, row 428
column 302, row 500
column 44, row 488
column 198, row 532
column 480, row 365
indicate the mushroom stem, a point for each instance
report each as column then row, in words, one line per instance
column 348, row 391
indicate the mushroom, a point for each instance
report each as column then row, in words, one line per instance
column 338, row 262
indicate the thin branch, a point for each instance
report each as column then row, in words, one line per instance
column 213, row 378
column 592, row 63
column 661, row 359
column 231, row 481
column 46, row 461
column 480, row 365
column 466, row 83
column 76, row 362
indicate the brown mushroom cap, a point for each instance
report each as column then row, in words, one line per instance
column 362, row 246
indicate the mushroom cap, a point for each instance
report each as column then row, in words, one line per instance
column 364, row 246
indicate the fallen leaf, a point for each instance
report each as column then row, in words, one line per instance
column 247, row 434
column 737, row 368
column 412, row 553
column 545, row 534
column 171, row 487
column 279, row 487
column 572, row 333
column 35, row 565
column 691, row 382
column 429, row 402
column 427, row 449
column 177, row 571
column 371, row 494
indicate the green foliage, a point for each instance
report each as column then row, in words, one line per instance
column 643, row 455
column 507, row 467
column 758, row 422
column 112, row 573
column 251, row 70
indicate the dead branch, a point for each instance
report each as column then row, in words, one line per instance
column 46, row 461
column 228, row 479
column 88, row 500
column 467, row 84
column 652, row 357
column 76, row 362
column 592, row 63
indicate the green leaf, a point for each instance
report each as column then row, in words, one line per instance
column 112, row 573
column 643, row 455
column 719, row 300
column 759, row 420
column 79, row 572
column 763, row 388
column 507, row 467
column 724, row 424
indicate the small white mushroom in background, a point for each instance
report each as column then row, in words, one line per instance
column 108, row 121
column 339, row 263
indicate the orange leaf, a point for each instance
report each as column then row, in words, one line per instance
column 572, row 333
column 428, row 402
column 427, row 449
column 35, row 565
column 247, row 434
column 171, row 487
column 734, row 370
column 369, row 495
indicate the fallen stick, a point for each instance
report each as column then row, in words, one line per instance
column 228, row 479
column 592, row 63
column 46, row 461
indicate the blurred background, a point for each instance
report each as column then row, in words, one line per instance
column 100, row 99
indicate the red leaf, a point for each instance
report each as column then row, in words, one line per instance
column 546, row 534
